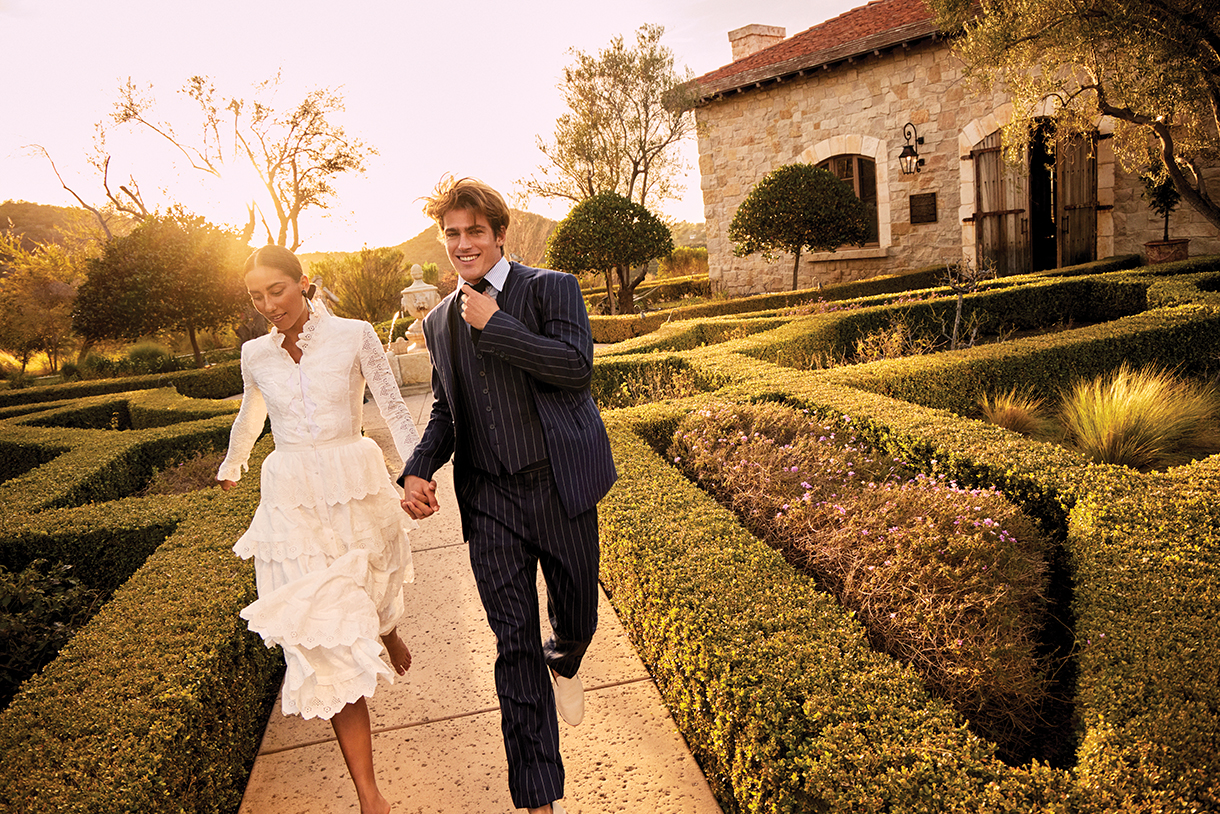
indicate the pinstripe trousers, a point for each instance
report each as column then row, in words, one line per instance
column 516, row 524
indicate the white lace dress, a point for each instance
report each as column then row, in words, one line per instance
column 329, row 537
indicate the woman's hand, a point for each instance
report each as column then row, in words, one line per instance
column 227, row 484
column 419, row 497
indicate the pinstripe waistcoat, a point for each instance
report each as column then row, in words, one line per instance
column 541, row 330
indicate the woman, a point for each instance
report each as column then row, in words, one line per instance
column 329, row 539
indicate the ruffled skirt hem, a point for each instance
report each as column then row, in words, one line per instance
column 328, row 621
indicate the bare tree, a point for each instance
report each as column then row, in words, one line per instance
column 296, row 152
column 964, row 278
column 132, row 205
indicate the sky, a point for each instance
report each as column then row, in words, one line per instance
column 438, row 87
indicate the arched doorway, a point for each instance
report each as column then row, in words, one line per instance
column 1041, row 213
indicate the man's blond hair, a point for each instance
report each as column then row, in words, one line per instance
column 467, row 193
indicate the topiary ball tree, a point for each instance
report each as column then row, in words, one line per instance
column 609, row 233
column 797, row 207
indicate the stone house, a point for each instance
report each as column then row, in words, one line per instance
column 850, row 94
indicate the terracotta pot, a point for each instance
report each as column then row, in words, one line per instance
column 1166, row 251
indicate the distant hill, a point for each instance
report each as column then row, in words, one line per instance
column 41, row 223
column 527, row 236
column 689, row 234
column 424, row 248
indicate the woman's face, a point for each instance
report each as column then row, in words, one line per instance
column 278, row 297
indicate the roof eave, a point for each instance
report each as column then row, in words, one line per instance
column 818, row 60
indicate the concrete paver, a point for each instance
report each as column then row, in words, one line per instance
column 436, row 732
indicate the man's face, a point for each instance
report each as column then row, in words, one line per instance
column 472, row 246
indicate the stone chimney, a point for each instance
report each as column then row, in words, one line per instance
column 751, row 39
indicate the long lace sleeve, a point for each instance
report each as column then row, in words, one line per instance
column 246, row 427
column 380, row 379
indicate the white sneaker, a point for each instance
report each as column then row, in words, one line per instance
column 569, row 698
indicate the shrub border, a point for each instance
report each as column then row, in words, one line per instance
column 1150, row 733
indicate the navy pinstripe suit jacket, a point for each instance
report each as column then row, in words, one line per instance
column 542, row 328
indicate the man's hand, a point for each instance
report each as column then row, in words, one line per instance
column 226, row 485
column 419, row 497
column 477, row 308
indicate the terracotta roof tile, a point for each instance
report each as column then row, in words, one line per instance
column 880, row 24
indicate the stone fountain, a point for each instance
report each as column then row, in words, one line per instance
column 408, row 356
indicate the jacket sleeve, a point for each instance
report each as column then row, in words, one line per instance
column 562, row 353
column 436, row 445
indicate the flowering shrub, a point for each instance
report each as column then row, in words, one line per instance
column 949, row 580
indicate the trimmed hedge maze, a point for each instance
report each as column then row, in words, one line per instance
column 158, row 702
column 775, row 686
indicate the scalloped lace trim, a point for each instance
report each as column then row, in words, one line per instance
column 317, row 316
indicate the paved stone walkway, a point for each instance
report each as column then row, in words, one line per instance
column 436, row 732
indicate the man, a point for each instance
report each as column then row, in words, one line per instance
column 512, row 357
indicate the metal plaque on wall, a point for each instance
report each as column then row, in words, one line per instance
column 923, row 208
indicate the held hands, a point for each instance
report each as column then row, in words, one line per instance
column 419, row 497
column 477, row 308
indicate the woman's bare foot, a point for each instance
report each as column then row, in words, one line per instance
column 379, row 806
column 400, row 656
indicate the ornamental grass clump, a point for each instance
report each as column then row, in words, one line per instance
column 647, row 385
column 899, row 340
column 1020, row 412
column 1146, row 418
column 949, row 580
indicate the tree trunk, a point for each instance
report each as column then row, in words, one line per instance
column 796, row 265
column 1197, row 198
column 957, row 323
column 610, row 301
column 190, row 331
column 1166, row 237
column 84, row 351
column 626, row 289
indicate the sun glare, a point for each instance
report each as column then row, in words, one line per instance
column 230, row 195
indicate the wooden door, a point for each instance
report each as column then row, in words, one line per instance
column 1001, row 209
column 1076, row 199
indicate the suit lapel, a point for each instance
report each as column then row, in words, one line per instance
column 445, row 359
column 514, row 289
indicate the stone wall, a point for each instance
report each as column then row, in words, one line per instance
column 1135, row 223
column 860, row 108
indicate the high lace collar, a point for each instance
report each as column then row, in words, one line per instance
column 317, row 317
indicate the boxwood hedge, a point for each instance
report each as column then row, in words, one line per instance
column 783, row 703
column 157, row 704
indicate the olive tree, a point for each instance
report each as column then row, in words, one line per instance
column 610, row 234
column 172, row 272
column 368, row 283
column 797, row 207
column 1151, row 65
column 628, row 109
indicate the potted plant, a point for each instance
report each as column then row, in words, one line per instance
column 1163, row 198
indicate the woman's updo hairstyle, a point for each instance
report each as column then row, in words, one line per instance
column 276, row 257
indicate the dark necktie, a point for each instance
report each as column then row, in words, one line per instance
column 480, row 286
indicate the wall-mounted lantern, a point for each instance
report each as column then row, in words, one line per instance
column 909, row 159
